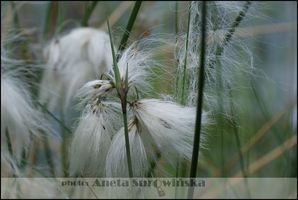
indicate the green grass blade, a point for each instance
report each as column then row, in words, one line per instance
column 115, row 65
column 129, row 26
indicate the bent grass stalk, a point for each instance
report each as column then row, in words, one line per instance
column 259, row 134
column 196, row 144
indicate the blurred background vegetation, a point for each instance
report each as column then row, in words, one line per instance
column 266, row 105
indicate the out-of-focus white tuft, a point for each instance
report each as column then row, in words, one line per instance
column 72, row 60
column 116, row 163
column 170, row 125
column 19, row 119
column 92, row 139
column 137, row 58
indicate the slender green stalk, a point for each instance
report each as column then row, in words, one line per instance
column 48, row 154
column 177, row 175
column 238, row 142
column 64, row 147
column 176, row 18
column 115, row 65
column 231, row 31
column 88, row 13
column 9, row 145
column 51, row 19
column 216, row 60
column 54, row 117
column 177, row 61
column 122, row 89
column 129, row 26
column 236, row 133
column 16, row 20
column 220, row 117
column 185, row 57
column 153, row 164
column 196, row 144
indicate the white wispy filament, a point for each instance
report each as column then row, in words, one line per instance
column 18, row 116
column 116, row 165
column 170, row 125
column 92, row 139
column 159, row 126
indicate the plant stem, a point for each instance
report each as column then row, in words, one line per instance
column 64, row 146
column 51, row 19
column 176, row 18
column 16, row 20
column 48, row 154
column 220, row 117
column 153, row 164
column 54, row 117
column 196, row 144
column 238, row 143
column 185, row 57
column 129, row 26
column 127, row 146
column 8, row 140
column 122, row 89
column 176, row 61
column 231, row 31
column 88, row 13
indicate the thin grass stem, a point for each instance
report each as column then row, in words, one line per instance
column 54, row 117
column 196, row 143
column 51, row 19
column 88, row 13
column 182, row 100
column 8, row 141
column 122, row 89
column 129, row 26
column 48, row 155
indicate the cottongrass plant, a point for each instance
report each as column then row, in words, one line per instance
column 20, row 120
column 71, row 61
column 219, row 23
column 154, row 126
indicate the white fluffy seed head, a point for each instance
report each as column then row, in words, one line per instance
column 116, row 164
column 234, row 60
column 137, row 58
column 94, row 89
column 170, row 125
column 92, row 139
column 72, row 60
column 19, row 118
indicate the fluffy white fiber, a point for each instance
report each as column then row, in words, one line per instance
column 235, row 59
column 18, row 115
column 137, row 58
column 92, row 139
column 170, row 125
column 116, row 165
column 72, row 60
